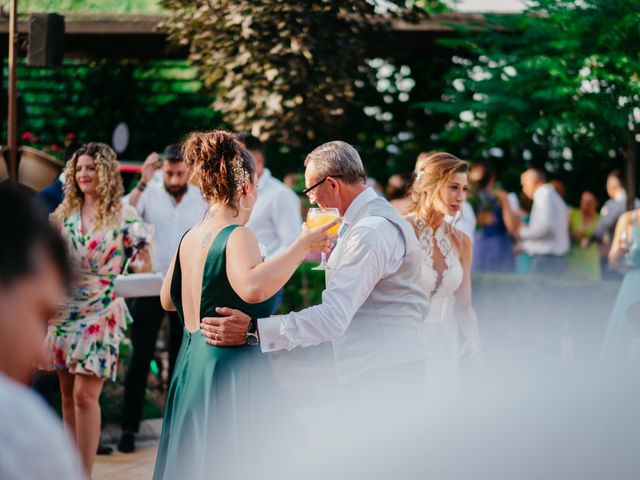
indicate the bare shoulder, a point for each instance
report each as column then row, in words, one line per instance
column 242, row 234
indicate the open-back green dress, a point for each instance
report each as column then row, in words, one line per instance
column 222, row 402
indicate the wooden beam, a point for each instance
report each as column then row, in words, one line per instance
column 139, row 36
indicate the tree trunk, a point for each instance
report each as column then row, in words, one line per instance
column 630, row 161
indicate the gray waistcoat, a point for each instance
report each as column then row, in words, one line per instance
column 386, row 330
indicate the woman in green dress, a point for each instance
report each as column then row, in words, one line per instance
column 223, row 403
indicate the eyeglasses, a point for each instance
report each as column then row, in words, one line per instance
column 317, row 184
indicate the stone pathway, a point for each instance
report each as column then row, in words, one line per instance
column 129, row 466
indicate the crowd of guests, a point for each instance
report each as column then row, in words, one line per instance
column 456, row 220
column 533, row 231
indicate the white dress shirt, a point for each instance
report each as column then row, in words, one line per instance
column 375, row 250
column 276, row 218
column 33, row 443
column 169, row 219
column 548, row 230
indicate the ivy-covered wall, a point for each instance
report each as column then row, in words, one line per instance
column 160, row 101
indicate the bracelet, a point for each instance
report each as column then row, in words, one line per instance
column 141, row 186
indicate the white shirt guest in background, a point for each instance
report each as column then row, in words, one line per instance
column 276, row 217
column 373, row 306
column 33, row 274
column 172, row 206
column 546, row 237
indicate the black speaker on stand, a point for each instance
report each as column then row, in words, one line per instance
column 46, row 40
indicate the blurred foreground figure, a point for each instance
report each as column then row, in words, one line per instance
column 33, row 276
column 620, row 345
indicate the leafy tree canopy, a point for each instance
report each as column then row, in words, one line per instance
column 554, row 87
column 283, row 69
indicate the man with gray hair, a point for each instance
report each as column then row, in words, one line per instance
column 373, row 306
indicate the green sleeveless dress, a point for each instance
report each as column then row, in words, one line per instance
column 221, row 401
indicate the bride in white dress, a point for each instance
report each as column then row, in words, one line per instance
column 439, row 189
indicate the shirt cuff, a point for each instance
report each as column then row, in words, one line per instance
column 271, row 338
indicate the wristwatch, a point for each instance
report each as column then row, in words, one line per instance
column 252, row 337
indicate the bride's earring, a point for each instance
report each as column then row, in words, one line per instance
column 253, row 199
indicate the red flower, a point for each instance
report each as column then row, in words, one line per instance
column 105, row 281
column 93, row 244
column 54, row 148
column 71, row 136
column 59, row 356
column 27, row 137
column 111, row 323
column 93, row 329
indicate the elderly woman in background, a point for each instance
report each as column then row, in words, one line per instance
column 584, row 262
column 83, row 338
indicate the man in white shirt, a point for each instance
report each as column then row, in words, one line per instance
column 172, row 207
column 275, row 218
column 546, row 237
column 373, row 306
column 33, row 274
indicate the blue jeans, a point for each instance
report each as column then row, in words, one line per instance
column 548, row 264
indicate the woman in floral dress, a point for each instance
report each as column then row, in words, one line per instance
column 82, row 341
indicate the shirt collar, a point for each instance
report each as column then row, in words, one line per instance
column 264, row 178
column 360, row 201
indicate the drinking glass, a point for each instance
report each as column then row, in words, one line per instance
column 322, row 216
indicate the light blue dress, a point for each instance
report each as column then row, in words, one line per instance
column 623, row 330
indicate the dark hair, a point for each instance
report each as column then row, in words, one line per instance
column 26, row 229
column 488, row 173
column 72, row 148
column 615, row 174
column 172, row 153
column 215, row 157
column 394, row 192
column 251, row 143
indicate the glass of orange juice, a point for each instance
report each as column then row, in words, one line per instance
column 321, row 216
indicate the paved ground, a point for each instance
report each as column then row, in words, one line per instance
column 131, row 466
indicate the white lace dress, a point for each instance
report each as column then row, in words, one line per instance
column 440, row 329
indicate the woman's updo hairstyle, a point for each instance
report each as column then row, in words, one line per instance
column 433, row 171
column 221, row 163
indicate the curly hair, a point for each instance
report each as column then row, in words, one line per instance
column 221, row 163
column 109, row 189
column 432, row 172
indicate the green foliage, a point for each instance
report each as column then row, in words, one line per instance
column 94, row 6
column 160, row 102
column 296, row 74
column 556, row 87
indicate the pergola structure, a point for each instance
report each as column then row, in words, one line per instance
column 139, row 36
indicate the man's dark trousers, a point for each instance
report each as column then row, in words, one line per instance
column 147, row 316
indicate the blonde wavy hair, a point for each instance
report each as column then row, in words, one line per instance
column 432, row 172
column 110, row 189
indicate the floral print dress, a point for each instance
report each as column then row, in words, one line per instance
column 85, row 334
